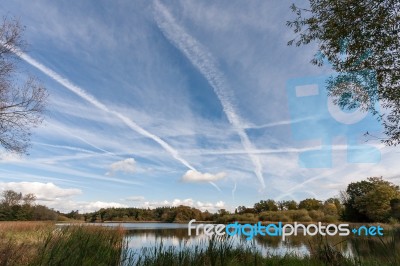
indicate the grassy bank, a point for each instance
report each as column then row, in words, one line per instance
column 34, row 243
column 38, row 243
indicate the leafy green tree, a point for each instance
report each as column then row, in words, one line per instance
column 369, row 200
column 244, row 209
column 353, row 191
column 265, row 205
column 290, row 205
column 375, row 204
column 361, row 41
column 310, row 204
column 16, row 206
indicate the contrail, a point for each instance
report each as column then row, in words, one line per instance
column 91, row 99
column 205, row 63
column 87, row 142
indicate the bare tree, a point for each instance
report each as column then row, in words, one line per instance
column 29, row 199
column 11, row 198
column 21, row 103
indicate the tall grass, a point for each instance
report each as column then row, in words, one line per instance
column 19, row 241
column 68, row 245
column 45, row 244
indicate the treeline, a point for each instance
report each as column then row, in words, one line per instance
column 162, row 214
column 18, row 207
column 370, row 200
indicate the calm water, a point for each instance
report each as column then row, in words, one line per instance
column 147, row 235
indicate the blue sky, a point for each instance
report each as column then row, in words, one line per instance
column 178, row 102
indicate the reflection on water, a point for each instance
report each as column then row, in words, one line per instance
column 148, row 235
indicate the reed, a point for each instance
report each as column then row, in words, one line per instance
column 45, row 244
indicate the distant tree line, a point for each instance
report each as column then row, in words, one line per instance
column 163, row 214
column 18, row 207
column 370, row 200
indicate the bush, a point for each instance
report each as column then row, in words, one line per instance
column 393, row 221
column 297, row 215
column 265, row 216
column 279, row 217
column 305, row 219
column 316, row 215
column 330, row 219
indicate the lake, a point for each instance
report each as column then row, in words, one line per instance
column 148, row 235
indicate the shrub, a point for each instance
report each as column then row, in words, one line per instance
column 305, row 218
column 316, row 215
column 279, row 217
column 330, row 219
column 297, row 215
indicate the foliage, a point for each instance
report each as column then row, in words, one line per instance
column 310, row 204
column 361, row 41
column 369, row 200
column 21, row 104
column 164, row 214
column 16, row 206
column 265, row 205
column 290, row 205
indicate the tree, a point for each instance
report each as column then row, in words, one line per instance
column 290, row 205
column 370, row 200
column 244, row 209
column 29, row 199
column 265, row 205
column 21, row 103
column 310, row 204
column 361, row 41
column 336, row 202
column 11, row 198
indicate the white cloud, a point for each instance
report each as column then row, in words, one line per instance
column 195, row 176
column 203, row 206
column 43, row 191
column 202, row 59
column 134, row 198
column 96, row 205
column 126, row 166
column 220, row 204
column 82, row 206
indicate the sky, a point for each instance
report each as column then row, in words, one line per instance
column 197, row 103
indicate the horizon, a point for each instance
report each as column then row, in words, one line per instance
column 165, row 104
